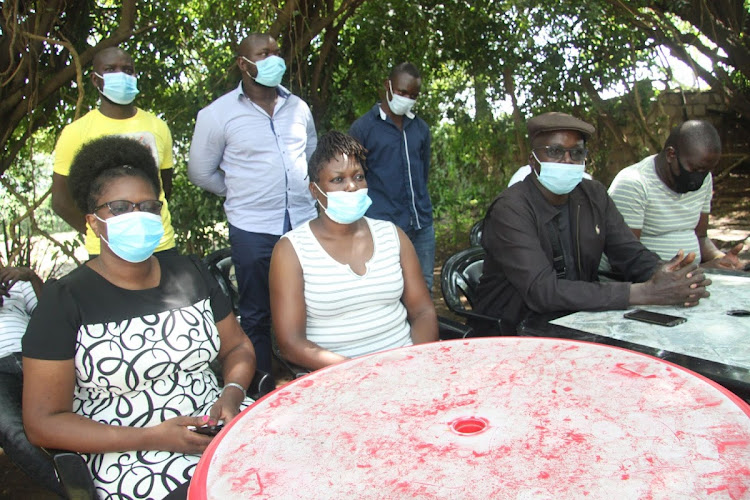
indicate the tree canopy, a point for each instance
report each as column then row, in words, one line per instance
column 486, row 65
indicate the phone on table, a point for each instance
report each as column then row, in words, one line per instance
column 655, row 318
column 209, row 430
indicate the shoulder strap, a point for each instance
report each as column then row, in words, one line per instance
column 558, row 258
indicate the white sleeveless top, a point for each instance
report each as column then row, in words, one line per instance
column 349, row 314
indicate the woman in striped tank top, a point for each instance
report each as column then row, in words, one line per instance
column 344, row 285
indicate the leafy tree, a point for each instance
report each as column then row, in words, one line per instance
column 486, row 65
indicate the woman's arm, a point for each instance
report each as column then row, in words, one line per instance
column 237, row 358
column 50, row 422
column 416, row 298
column 289, row 313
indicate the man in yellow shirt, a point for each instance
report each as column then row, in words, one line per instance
column 114, row 78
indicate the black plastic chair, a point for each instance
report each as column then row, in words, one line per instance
column 220, row 265
column 459, row 279
column 475, row 234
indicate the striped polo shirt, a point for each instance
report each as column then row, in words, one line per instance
column 667, row 220
column 14, row 316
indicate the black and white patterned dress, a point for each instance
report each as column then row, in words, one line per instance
column 141, row 357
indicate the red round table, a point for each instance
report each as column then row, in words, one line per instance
column 487, row 418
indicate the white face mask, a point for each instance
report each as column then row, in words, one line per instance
column 399, row 104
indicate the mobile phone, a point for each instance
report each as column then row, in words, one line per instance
column 655, row 318
column 209, row 430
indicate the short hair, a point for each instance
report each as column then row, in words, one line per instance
column 99, row 55
column 330, row 145
column 404, row 67
column 694, row 136
column 102, row 160
column 250, row 40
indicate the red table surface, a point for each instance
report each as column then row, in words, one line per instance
column 563, row 419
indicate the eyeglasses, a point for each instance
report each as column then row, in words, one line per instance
column 558, row 153
column 119, row 207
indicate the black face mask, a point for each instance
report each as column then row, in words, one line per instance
column 688, row 181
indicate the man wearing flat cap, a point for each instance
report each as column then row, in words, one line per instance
column 544, row 238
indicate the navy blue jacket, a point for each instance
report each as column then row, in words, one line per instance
column 397, row 184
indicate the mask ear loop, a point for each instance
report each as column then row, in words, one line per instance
column 100, row 233
column 317, row 202
column 246, row 71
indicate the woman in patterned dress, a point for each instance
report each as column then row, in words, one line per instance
column 344, row 285
column 116, row 358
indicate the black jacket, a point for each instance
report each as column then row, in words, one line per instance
column 518, row 275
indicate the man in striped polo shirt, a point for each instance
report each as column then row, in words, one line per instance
column 19, row 289
column 665, row 199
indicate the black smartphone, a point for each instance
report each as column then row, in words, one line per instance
column 655, row 318
column 209, row 430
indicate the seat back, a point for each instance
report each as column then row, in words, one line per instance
column 459, row 280
column 219, row 264
column 475, row 234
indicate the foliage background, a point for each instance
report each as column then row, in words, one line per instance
column 487, row 66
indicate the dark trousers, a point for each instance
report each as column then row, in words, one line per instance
column 251, row 256
column 29, row 458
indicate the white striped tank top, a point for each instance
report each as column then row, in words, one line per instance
column 349, row 314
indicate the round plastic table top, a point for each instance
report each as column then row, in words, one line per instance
column 487, row 418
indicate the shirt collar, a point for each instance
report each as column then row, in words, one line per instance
column 383, row 116
column 280, row 90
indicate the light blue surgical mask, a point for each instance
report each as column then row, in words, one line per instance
column 120, row 88
column 133, row 236
column 346, row 207
column 559, row 178
column 270, row 70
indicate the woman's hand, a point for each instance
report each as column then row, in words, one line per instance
column 174, row 435
column 227, row 406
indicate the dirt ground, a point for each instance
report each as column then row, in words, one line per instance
column 730, row 224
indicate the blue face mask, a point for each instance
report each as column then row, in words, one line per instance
column 120, row 88
column 560, row 178
column 346, row 207
column 133, row 236
column 270, row 70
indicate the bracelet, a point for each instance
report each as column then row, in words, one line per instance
column 233, row 384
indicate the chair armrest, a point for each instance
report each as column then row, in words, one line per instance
column 262, row 384
column 74, row 475
column 450, row 329
column 296, row 371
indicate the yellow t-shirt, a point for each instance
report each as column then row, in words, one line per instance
column 146, row 128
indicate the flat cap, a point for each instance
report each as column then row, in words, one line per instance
column 553, row 120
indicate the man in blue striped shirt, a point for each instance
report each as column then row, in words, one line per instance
column 251, row 145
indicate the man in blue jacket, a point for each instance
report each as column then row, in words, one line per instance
column 398, row 162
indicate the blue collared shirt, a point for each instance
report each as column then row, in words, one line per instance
column 398, row 164
column 257, row 161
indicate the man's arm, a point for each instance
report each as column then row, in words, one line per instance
column 206, row 152
column 511, row 232
column 711, row 256
column 10, row 275
column 63, row 204
column 166, row 165
column 629, row 195
column 166, row 181
column 426, row 152
column 312, row 136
